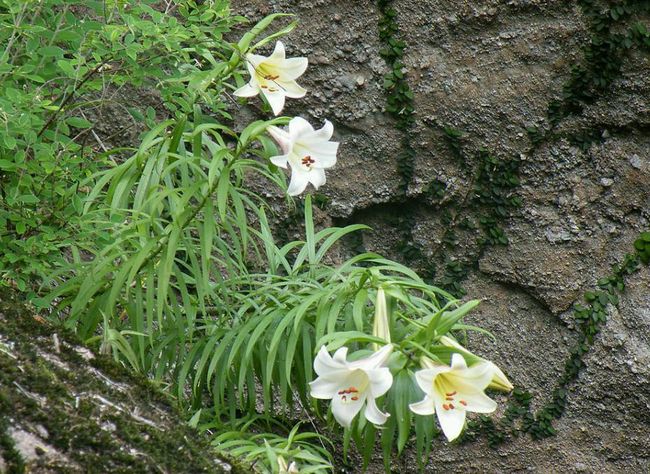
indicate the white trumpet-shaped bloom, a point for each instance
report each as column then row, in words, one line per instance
column 499, row 379
column 275, row 77
column 350, row 385
column 283, row 468
column 309, row 152
column 452, row 391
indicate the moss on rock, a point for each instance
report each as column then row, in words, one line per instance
column 65, row 409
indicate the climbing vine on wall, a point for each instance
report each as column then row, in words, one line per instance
column 491, row 189
column 615, row 31
column 603, row 56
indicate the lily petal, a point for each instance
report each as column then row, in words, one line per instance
column 293, row 68
column 253, row 62
column 434, row 367
column 322, row 134
column 499, row 380
column 452, row 422
column 380, row 381
column 424, row 379
column 324, row 363
column 325, row 154
column 477, row 402
column 341, row 355
column 317, row 177
column 292, row 89
column 281, row 137
column 458, row 362
column 375, row 360
column 344, row 412
column 477, row 377
column 424, row 407
column 280, row 160
column 299, row 127
column 275, row 100
column 373, row 414
column 323, row 388
column 247, row 91
column 278, row 52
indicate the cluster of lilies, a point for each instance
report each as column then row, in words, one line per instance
column 450, row 391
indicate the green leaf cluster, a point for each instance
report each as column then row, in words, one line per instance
column 611, row 41
column 61, row 61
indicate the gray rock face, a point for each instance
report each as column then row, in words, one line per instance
column 490, row 69
column 65, row 409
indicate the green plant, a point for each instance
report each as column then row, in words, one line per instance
column 179, row 276
column 265, row 450
column 58, row 62
column 399, row 97
column 642, row 246
column 603, row 56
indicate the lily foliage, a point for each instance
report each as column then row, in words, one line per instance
column 184, row 281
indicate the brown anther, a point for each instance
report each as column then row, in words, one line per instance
column 352, row 389
column 445, row 406
column 264, row 86
column 308, row 161
column 344, row 398
column 451, row 405
column 341, row 392
column 355, row 398
column 450, row 398
column 451, row 394
column 463, row 402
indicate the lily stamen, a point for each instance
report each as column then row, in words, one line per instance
column 308, row 161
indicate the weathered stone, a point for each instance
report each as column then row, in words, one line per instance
column 490, row 70
column 63, row 412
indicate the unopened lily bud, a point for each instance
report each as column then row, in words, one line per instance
column 380, row 325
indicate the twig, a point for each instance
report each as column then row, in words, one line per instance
column 65, row 102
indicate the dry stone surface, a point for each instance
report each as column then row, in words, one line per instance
column 490, row 69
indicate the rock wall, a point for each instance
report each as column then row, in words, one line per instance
column 64, row 409
column 521, row 80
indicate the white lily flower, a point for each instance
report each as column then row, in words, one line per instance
column 309, row 152
column 284, row 469
column 351, row 384
column 275, row 77
column 452, row 391
column 499, row 379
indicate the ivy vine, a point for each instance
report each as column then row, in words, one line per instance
column 492, row 192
